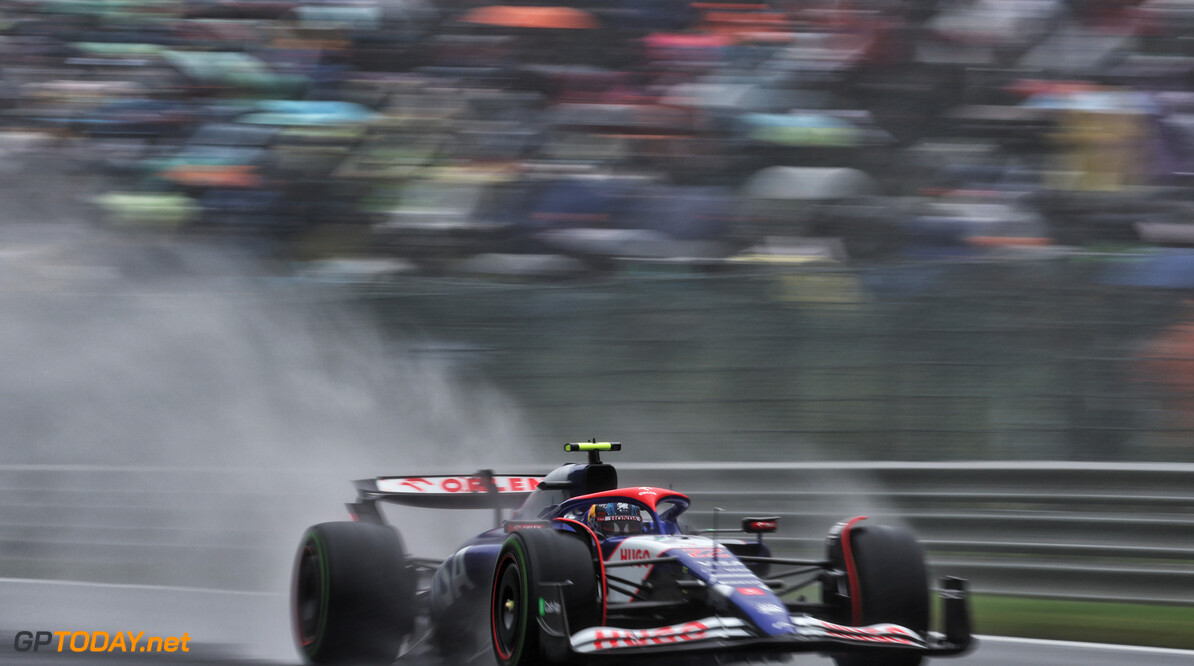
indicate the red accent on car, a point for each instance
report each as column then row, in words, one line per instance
column 497, row 643
column 647, row 495
column 416, row 483
column 852, row 571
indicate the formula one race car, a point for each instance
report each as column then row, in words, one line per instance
column 585, row 570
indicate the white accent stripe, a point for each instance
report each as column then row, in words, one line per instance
column 130, row 586
column 1103, row 647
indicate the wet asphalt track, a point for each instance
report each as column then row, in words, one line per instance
column 993, row 652
column 230, row 628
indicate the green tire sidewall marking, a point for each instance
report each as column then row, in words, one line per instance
column 520, row 557
column 324, row 588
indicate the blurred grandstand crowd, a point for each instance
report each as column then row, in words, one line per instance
column 464, row 137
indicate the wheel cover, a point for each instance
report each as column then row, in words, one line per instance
column 508, row 611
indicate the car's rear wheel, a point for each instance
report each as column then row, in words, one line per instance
column 887, row 582
column 352, row 594
column 532, row 565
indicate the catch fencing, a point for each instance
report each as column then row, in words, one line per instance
column 1086, row 531
column 1108, row 532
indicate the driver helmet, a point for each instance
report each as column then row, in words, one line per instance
column 615, row 519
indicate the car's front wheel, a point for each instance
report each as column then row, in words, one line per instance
column 887, row 582
column 531, row 566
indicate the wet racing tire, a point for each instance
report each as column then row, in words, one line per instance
column 529, row 562
column 352, row 594
column 886, row 569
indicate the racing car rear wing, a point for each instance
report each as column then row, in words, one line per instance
column 482, row 490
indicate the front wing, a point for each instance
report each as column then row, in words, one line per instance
column 729, row 634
